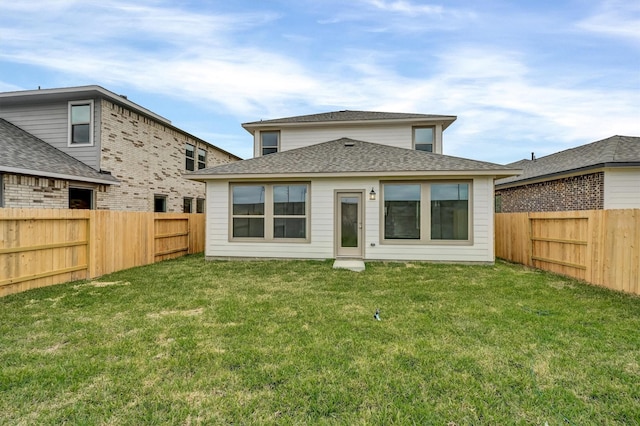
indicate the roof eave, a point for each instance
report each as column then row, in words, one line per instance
column 447, row 120
column 497, row 174
column 567, row 173
column 31, row 172
column 95, row 90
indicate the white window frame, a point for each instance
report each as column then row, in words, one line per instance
column 433, row 138
column 201, row 202
column 84, row 188
column 201, row 164
column 269, row 216
column 188, row 200
column 164, row 199
column 70, row 106
column 262, row 148
column 192, row 158
column 425, row 214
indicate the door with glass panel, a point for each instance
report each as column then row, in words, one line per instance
column 349, row 224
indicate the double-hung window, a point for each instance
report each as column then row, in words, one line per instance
column 80, row 123
column 190, row 153
column 270, row 212
column 423, row 138
column 269, row 142
column 202, row 158
column 187, row 205
column 426, row 212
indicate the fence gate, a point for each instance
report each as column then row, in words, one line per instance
column 559, row 244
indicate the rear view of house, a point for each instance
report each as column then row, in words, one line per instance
column 86, row 147
column 352, row 184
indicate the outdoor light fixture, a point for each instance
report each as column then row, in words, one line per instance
column 372, row 194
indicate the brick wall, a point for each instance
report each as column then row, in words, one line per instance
column 21, row 191
column 584, row 192
column 148, row 159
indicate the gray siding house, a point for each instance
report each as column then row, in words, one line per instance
column 102, row 152
column 354, row 186
column 601, row 175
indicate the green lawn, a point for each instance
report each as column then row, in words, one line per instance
column 192, row 342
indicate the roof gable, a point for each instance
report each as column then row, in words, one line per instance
column 352, row 117
column 610, row 152
column 24, row 153
column 345, row 155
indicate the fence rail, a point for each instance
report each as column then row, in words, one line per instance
column 601, row 247
column 42, row 247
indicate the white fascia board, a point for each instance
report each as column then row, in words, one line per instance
column 38, row 173
column 497, row 174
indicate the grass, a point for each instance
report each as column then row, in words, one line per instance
column 294, row 342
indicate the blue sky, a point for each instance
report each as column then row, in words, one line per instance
column 521, row 76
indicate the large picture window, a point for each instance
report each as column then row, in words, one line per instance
column 402, row 212
column 426, row 211
column 270, row 212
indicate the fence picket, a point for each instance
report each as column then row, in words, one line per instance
column 601, row 247
column 42, row 247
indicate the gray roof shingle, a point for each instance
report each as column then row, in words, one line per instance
column 350, row 156
column 348, row 115
column 616, row 150
column 24, row 153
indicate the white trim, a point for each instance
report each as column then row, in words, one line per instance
column 70, row 105
column 420, row 174
column 37, row 173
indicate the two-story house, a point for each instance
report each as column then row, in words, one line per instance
column 86, row 147
column 352, row 185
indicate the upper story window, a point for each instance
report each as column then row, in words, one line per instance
column 423, row 138
column 190, row 154
column 269, row 142
column 80, row 123
column 202, row 158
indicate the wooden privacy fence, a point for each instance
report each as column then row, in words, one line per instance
column 42, row 247
column 601, row 247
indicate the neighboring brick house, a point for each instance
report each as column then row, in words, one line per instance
column 600, row 175
column 86, row 147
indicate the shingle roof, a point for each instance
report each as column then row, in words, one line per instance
column 610, row 152
column 26, row 154
column 345, row 155
column 352, row 116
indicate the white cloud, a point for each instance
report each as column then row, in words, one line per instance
column 617, row 18
column 210, row 59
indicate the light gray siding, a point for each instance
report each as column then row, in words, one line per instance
column 49, row 122
column 622, row 188
column 398, row 135
column 321, row 245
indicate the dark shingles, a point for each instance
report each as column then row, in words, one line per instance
column 348, row 115
column 23, row 151
column 610, row 151
column 350, row 156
